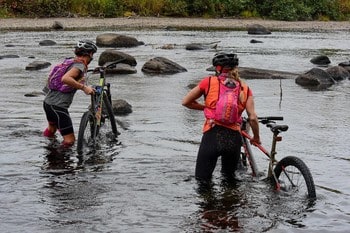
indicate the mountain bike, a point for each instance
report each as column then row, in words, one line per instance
column 290, row 174
column 100, row 113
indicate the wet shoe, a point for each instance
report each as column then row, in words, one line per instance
column 48, row 134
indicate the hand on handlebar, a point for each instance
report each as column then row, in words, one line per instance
column 96, row 70
column 255, row 141
column 88, row 90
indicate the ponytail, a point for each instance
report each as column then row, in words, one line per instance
column 233, row 74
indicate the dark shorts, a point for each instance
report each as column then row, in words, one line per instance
column 218, row 141
column 60, row 118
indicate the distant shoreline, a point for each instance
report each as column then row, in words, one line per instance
column 44, row 24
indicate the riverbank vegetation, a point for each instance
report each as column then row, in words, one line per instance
column 289, row 10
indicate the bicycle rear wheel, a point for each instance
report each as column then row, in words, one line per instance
column 109, row 119
column 87, row 134
column 295, row 177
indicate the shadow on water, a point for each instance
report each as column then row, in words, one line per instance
column 60, row 160
column 247, row 206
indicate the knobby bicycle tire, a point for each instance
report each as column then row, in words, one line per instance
column 87, row 134
column 298, row 173
column 110, row 115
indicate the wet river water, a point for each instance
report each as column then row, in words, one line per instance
column 146, row 184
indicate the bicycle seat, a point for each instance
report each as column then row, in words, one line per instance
column 279, row 128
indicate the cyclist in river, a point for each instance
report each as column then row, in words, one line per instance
column 57, row 101
column 221, row 137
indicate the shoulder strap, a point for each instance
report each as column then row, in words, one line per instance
column 206, row 93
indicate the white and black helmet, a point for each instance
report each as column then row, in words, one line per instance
column 85, row 47
column 225, row 60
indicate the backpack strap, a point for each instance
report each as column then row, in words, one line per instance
column 206, row 93
column 80, row 60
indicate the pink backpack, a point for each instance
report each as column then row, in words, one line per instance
column 56, row 74
column 226, row 109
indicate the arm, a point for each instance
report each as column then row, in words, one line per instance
column 190, row 100
column 253, row 120
column 70, row 78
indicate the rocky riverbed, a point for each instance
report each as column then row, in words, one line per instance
column 169, row 23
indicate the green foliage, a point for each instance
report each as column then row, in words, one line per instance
column 145, row 7
column 4, row 13
column 96, row 8
column 271, row 9
column 49, row 8
column 237, row 8
column 299, row 10
column 176, row 8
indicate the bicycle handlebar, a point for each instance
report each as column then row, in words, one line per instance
column 107, row 65
column 271, row 118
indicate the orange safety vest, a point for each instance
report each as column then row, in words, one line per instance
column 211, row 97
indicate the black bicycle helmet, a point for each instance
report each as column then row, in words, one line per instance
column 85, row 47
column 225, row 60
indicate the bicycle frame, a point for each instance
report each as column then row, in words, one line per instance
column 272, row 154
column 99, row 113
column 102, row 89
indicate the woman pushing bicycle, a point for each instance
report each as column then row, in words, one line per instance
column 64, row 80
column 226, row 96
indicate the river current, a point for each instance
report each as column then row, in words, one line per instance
column 146, row 183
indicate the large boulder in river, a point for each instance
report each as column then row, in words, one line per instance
column 116, row 40
column 315, row 78
column 338, row 73
column 127, row 66
column 255, row 73
column 122, row 68
column 111, row 55
column 161, row 65
column 345, row 65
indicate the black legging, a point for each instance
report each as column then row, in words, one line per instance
column 218, row 141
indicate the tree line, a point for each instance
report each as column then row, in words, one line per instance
column 288, row 10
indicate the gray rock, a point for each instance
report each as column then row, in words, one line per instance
column 47, row 43
column 122, row 68
column 57, row 26
column 161, row 65
column 338, row 73
column 121, row 107
column 194, row 46
column 320, row 60
column 315, row 78
column 253, row 41
column 38, row 65
column 257, row 29
column 254, row 73
column 201, row 46
column 111, row 55
column 345, row 65
column 116, row 40
column 34, row 94
column 9, row 56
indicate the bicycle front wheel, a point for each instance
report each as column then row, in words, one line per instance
column 109, row 119
column 87, row 134
column 295, row 177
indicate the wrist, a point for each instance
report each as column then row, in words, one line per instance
column 82, row 87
